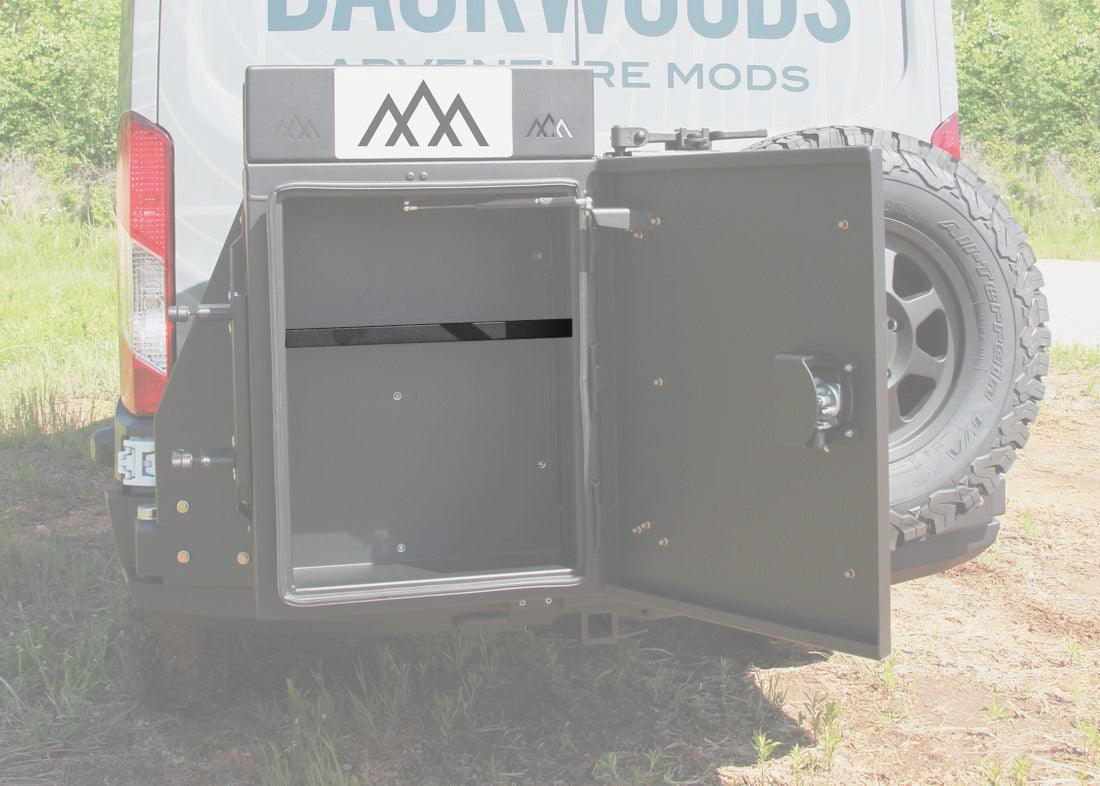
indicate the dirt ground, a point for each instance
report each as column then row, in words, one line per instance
column 995, row 676
column 995, row 671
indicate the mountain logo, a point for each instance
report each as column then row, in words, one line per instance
column 403, row 119
column 294, row 129
column 549, row 128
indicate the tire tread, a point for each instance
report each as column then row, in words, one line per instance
column 941, row 510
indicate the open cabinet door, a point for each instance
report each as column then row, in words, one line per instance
column 741, row 392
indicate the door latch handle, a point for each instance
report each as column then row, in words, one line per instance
column 812, row 402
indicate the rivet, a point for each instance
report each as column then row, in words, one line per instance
column 843, row 223
column 549, row 601
column 662, row 542
column 410, row 175
column 423, row 175
column 183, row 556
column 243, row 558
column 541, row 465
column 400, row 548
column 398, row 395
column 658, row 383
column 183, row 506
column 849, row 574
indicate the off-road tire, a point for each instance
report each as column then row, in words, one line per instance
column 990, row 407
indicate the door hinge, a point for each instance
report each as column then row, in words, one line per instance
column 136, row 464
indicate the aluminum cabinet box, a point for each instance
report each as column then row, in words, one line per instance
column 454, row 371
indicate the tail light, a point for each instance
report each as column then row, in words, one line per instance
column 948, row 137
column 146, row 263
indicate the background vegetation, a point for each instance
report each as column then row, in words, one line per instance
column 1029, row 83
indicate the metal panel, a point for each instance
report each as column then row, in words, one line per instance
column 449, row 474
column 356, row 258
column 706, row 512
column 438, row 457
column 290, row 111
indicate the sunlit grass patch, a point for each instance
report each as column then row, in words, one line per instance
column 58, row 338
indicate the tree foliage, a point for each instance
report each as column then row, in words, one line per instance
column 1029, row 78
column 58, row 79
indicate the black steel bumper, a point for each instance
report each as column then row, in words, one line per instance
column 941, row 552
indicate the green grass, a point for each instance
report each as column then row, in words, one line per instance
column 1057, row 209
column 1082, row 364
column 1075, row 357
column 58, row 339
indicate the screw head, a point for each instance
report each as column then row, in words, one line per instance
column 662, row 542
column 849, row 368
column 398, row 395
column 410, row 176
column 549, row 601
column 542, row 464
column 850, row 433
column 243, row 558
column 521, row 603
column 647, row 526
column 637, row 530
column 183, row 506
column 849, row 574
column 183, row 556
column 842, row 224
column 537, row 256
column 400, row 548
column 658, row 383
column 423, row 175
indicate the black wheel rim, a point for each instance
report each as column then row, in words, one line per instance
column 926, row 335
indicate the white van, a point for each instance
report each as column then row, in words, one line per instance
column 964, row 315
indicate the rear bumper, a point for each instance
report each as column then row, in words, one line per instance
column 941, row 552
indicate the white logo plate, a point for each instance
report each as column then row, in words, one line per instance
column 385, row 113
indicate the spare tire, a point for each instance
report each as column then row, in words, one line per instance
column 967, row 326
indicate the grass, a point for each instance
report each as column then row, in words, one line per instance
column 1060, row 213
column 58, row 345
column 1081, row 364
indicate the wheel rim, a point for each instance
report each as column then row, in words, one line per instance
column 925, row 335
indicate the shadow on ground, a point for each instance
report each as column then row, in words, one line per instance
column 92, row 695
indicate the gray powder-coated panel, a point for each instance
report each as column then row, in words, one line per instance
column 553, row 113
column 290, row 113
column 749, row 262
column 435, row 446
column 357, row 258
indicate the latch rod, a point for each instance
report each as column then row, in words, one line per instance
column 522, row 203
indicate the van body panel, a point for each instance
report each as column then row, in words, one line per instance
column 777, row 65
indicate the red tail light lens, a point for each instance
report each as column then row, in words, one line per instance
column 146, row 263
column 948, row 137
